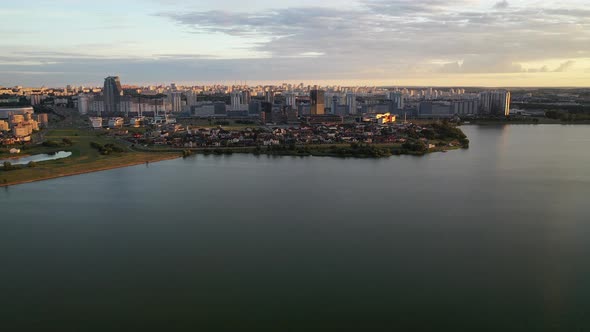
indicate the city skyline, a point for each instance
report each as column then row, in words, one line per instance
column 364, row 42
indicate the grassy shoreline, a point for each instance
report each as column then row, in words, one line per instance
column 94, row 151
column 84, row 158
column 338, row 150
column 89, row 170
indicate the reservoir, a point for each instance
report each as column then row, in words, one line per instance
column 492, row 238
column 37, row 158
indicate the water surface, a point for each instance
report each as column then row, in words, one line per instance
column 37, row 158
column 493, row 238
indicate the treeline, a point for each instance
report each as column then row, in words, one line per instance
column 554, row 107
column 107, row 148
column 56, row 144
column 8, row 166
column 446, row 132
column 567, row 116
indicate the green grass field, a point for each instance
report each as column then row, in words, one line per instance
column 84, row 158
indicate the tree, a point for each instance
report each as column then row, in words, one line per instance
column 7, row 165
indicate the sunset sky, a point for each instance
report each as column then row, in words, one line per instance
column 373, row 42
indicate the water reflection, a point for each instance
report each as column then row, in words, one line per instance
column 38, row 158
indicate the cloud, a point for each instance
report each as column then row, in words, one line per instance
column 501, row 4
column 373, row 39
column 543, row 69
column 408, row 30
column 482, row 65
column 564, row 66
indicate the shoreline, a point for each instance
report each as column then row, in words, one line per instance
column 208, row 152
column 164, row 158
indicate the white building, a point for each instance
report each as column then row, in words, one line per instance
column 96, row 122
column 176, row 102
column 84, row 103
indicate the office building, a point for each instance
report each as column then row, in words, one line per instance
column 351, row 103
column 290, row 99
column 317, row 102
column 191, row 98
column 269, row 97
column 84, row 103
column 176, row 101
column 112, row 94
column 236, row 100
column 495, row 102
column 397, row 99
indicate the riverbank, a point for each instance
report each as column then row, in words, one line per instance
column 524, row 121
column 339, row 150
column 93, row 151
column 84, row 159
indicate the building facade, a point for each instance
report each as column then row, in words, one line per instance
column 317, row 102
column 112, row 94
column 495, row 102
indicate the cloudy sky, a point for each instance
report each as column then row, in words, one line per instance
column 374, row 42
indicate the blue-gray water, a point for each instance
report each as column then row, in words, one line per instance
column 494, row 238
column 37, row 158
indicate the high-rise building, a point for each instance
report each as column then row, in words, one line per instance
column 290, row 99
column 335, row 103
column 351, row 103
column 36, row 99
column 254, row 107
column 246, row 97
column 464, row 107
column 397, row 99
column 112, row 94
column 495, row 102
column 317, row 102
column 270, row 97
column 84, row 103
column 266, row 109
column 191, row 98
column 236, row 100
column 176, row 101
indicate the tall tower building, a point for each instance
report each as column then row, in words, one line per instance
column 191, row 98
column 270, row 97
column 397, row 99
column 236, row 100
column 112, row 94
column 351, row 103
column 335, row 104
column 317, row 102
column 246, row 97
column 495, row 102
column 290, row 99
column 84, row 103
column 176, row 101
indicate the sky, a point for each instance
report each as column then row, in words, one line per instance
column 358, row 42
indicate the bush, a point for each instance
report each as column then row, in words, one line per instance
column 51, row 144
column 415, row 146
column 7, row 166
column 32, row 164
column 66, row 141
column 107, row 148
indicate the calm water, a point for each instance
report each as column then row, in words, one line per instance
column 494, row 238
column 37, row 158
